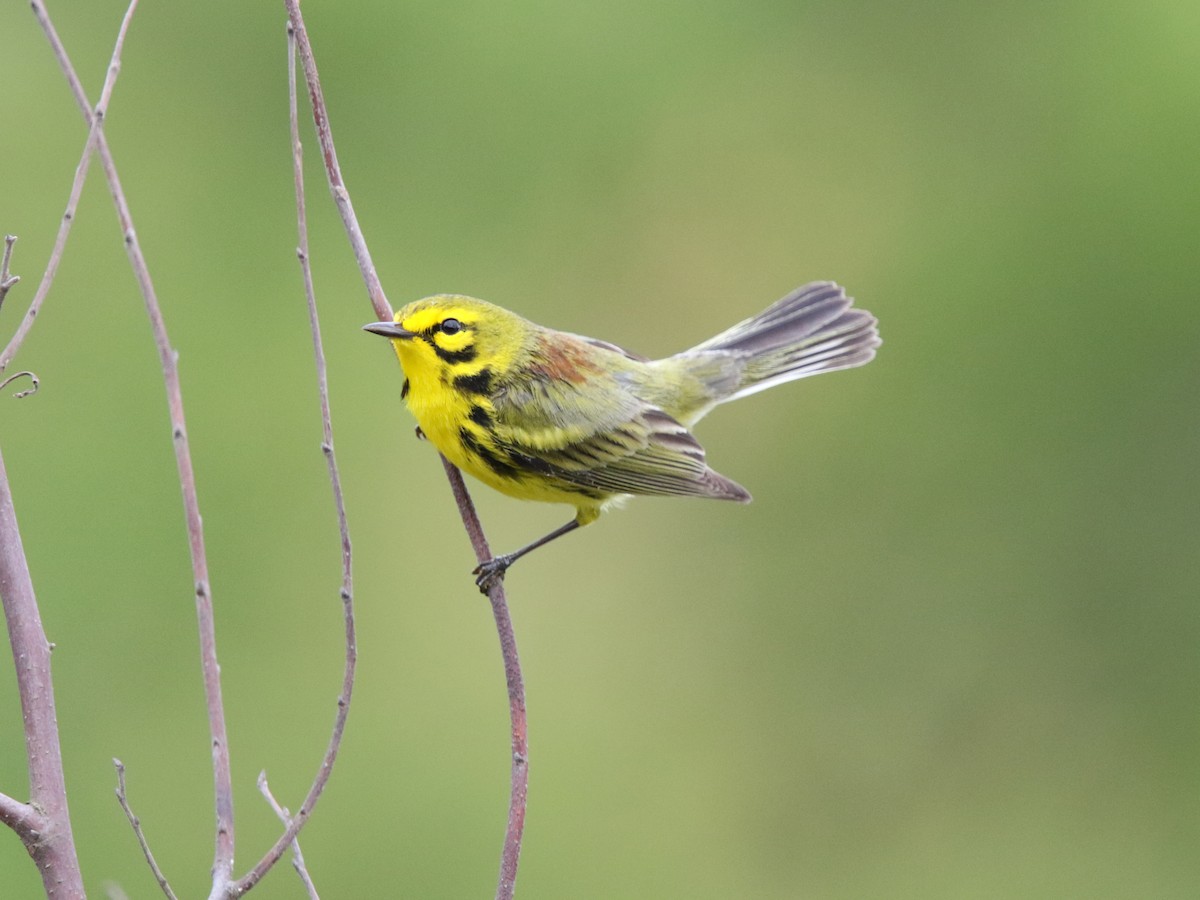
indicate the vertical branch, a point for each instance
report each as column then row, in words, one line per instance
column 293, row 824
column 333, row 171
column 508, row 646
column 222, row 781
column 44, row 825
column 519, row 776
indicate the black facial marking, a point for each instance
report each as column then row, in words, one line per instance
column 454, row 357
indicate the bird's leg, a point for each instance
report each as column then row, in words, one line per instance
column 494, row 568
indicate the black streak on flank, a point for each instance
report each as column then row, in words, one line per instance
column 404, row 390
column 479, row 383
column 532, row 463
column 480, row 417
column 494, row 462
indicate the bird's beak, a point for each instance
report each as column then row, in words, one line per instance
column 389, row 330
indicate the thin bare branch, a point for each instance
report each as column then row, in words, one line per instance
column 95, row 131
column 222, row 782
column 136, row 824
column 294, row 824
column 341, row 196
column 297, row 856
column 519, row 776
column 60, row 241
column 511, row 852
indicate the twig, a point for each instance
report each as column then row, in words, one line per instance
column 95, row 133
column 222, row 781
column 519, row 777
column 20, row 817
column 286, row 817
column 32, row 389
column 7, row 281
column 512, row 664
column 136, row 824
column 294, row 824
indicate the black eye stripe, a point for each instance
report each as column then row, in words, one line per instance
column 448, row 326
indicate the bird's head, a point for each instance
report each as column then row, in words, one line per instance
column 449, row 336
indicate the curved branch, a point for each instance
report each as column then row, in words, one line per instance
column 333, row 171
column 293, row 824
column 512, row 665
column 32, row 389
column 222, row 780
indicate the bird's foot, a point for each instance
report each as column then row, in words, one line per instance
column 490, row 571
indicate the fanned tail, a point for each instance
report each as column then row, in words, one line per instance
column 813, row 329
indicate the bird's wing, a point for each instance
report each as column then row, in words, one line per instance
column 592, row 431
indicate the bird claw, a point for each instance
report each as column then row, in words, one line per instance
column 489, row 572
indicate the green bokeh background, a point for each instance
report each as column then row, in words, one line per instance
column 951, row 649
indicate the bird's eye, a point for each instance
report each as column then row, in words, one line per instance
column 451, row 326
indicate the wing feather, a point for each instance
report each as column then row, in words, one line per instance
column 595, row 433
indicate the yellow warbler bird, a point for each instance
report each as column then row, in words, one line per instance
column 546, row 415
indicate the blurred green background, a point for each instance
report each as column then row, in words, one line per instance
column 951, row 649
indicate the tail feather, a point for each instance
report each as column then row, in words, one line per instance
column 813, row 329
column 801, row 312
